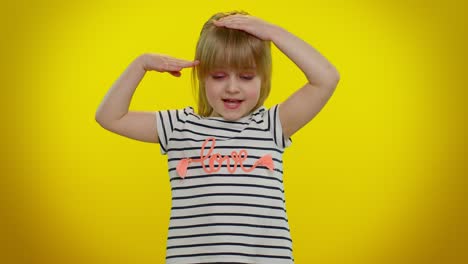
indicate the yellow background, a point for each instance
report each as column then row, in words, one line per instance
column 377, row 177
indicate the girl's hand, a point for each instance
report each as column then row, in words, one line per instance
column 250, row 24
column 164, row 63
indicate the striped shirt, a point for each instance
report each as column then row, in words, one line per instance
column 226, row 177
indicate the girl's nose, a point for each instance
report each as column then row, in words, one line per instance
column 232, row 86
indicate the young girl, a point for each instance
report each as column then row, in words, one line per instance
column 225, row 159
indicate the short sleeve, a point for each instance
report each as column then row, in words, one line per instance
column 166, row 122
column 275, row 127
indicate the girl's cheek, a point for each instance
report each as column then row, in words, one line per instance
column 254, row 93
column 257, row 89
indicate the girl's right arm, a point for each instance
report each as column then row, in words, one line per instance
column 113, row 115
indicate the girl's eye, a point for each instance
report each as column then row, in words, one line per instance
column 244, row 77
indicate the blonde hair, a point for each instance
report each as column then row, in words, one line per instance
column 230, row 48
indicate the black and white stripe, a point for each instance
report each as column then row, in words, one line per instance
column 221, row 217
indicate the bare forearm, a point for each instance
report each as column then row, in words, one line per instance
column 317, row 69
column 117, row 100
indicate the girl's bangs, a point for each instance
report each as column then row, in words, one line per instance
column 233, row 50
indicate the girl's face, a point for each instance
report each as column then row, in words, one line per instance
column 232, row 94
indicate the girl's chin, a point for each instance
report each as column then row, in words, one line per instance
column 231, row 116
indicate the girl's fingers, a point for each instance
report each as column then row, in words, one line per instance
column 180, row 60
column 165, row 63
column 175, row 67
column 184, row 63
column 175, row 73
column 234, row 23
column 230, row 19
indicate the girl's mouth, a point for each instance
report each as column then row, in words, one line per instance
column 232, row 104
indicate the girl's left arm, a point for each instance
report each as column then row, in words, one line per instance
column 304, row 104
